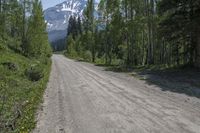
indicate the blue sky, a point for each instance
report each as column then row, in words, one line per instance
column 49, row 3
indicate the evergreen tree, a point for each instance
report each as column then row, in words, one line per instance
column 148, row 32
column 36, row 31
column 23, row 23
column 180, row 26
column 79, row 25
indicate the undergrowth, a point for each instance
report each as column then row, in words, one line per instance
column 20, row 95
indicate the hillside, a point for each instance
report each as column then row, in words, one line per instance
column 24, row 64
column 20, row 94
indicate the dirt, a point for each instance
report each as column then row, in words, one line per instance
column 179, row 80
column 83, row 98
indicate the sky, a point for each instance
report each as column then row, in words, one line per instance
column 50, row 3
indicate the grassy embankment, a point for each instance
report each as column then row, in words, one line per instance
column 22, row 84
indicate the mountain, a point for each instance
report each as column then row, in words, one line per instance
column 57, row 17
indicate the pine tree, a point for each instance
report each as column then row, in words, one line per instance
column 148, row 32
column 37, row 35
column 22, row 22
column 79, row 25
column 179, row 26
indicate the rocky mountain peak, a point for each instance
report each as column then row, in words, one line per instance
column 57, row 17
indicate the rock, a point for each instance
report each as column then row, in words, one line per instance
column 11, row 66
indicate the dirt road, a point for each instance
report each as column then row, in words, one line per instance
column 82, row 98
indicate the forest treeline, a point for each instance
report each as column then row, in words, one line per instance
column 138, row 32
column 22, row 27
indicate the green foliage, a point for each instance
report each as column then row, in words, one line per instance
column 58, row 45
column 37, row 36
column 180, row 27
column 34, row 72
column 22, row 32
column 14, row 44
column 19, row 96
column 3, row 47
column 74, row 27
column 140, row 33
column 71, row 47
column 87, row 56
column 10, row 65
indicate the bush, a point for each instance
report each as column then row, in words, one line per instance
column 87, row 56
column 14, row 44
column 45, row 60
column 2, row 47
column 73, row 54
column 34, row 73
column 11, row 66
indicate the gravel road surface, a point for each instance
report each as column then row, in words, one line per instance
column 83, row 98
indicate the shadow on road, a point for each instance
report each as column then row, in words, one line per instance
column 179, row 80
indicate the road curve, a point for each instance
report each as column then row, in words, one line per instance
column 82, row 98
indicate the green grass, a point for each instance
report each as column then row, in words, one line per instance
column 19, row 96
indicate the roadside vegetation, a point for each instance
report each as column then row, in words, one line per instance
column 24, row 63
column 22, row 83
column 156, row 41
column 137, row 33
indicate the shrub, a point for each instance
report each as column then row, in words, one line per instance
column 88, row 56
column 11, row 66
column 2, row 47
column 45, row 60
column 34, row 73
column 14, row 44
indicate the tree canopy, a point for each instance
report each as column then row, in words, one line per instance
column 141, row 32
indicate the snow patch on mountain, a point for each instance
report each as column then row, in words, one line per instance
column 57, row 17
